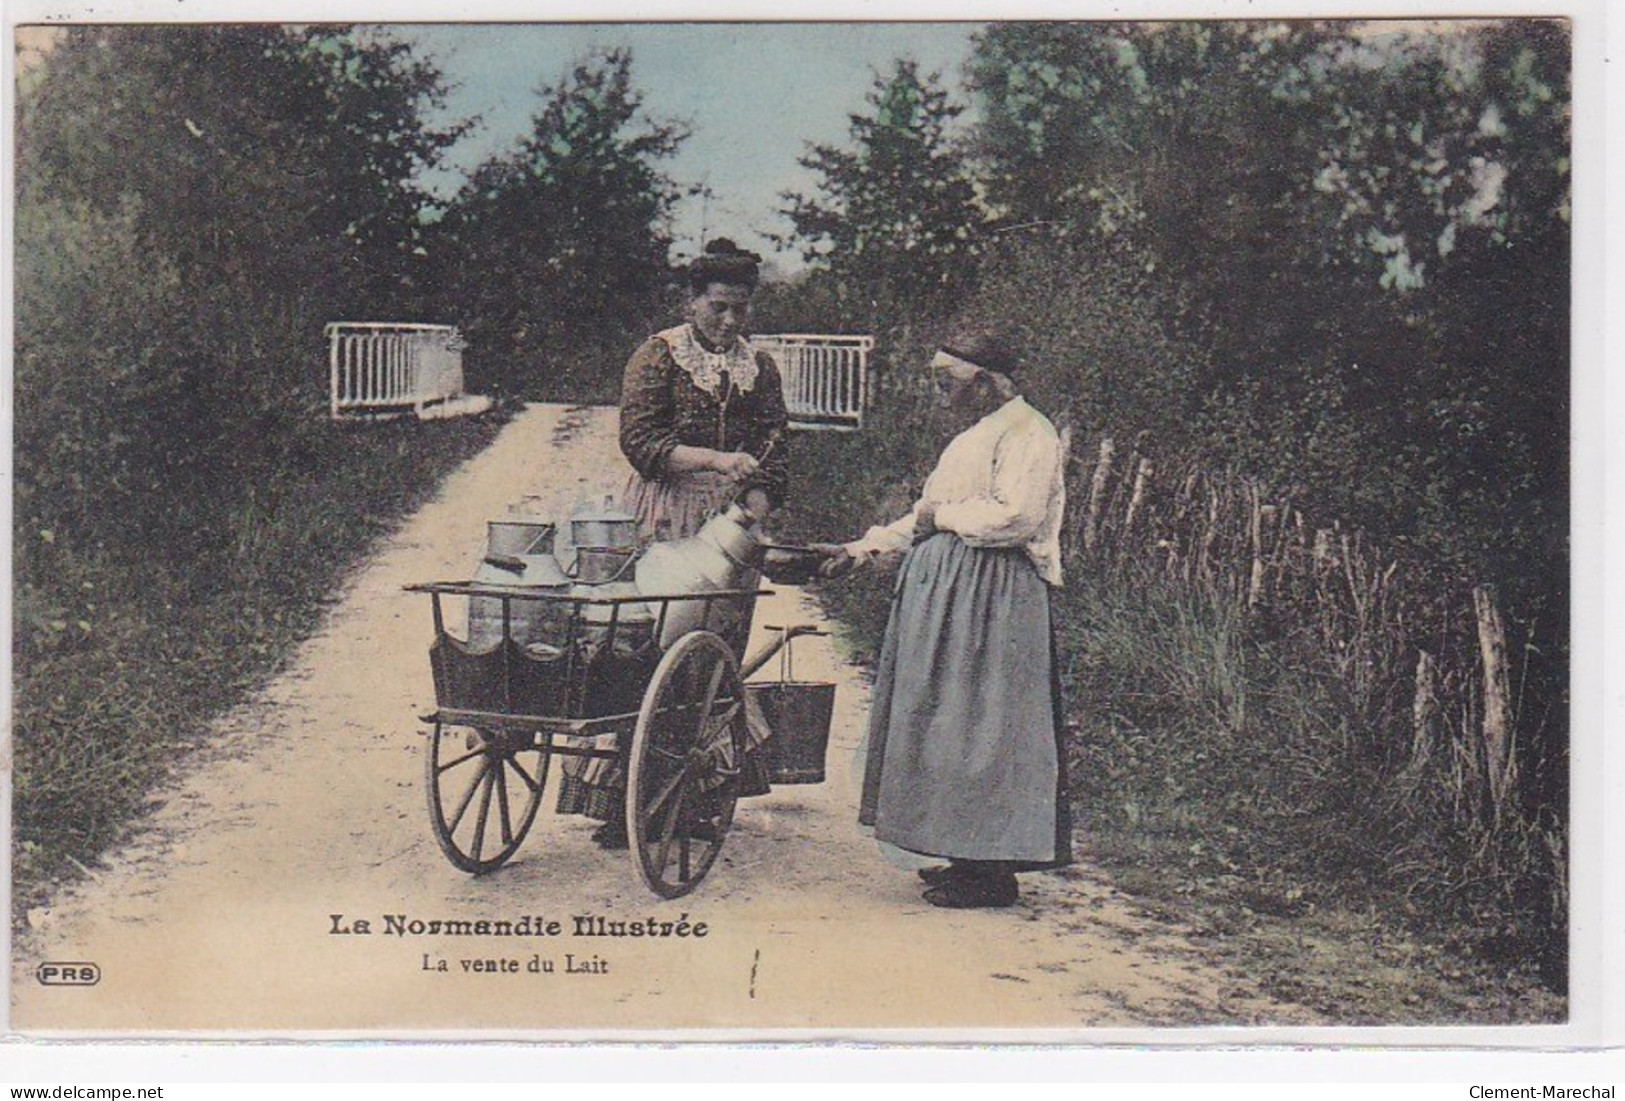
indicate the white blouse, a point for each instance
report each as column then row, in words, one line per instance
column 999, row 483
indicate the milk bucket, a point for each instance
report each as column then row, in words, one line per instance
column 798, row 714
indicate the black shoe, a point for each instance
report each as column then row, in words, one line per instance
column 975, row 894
column 943, row 874
column 611, row 835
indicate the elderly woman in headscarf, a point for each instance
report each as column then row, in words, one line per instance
column 703, row 424
column 964, row 763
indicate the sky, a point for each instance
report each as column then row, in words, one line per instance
column 754, row 96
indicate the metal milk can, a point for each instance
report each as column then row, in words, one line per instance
column 724, row 554
column 529, row 621
column 602, row 573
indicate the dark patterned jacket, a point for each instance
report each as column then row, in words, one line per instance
column 663, row 405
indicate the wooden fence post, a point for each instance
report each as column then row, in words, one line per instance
column 1500, row 765
column 1142, row 478
column 1255, row 537
column 1097, row 491
column 1424, row 706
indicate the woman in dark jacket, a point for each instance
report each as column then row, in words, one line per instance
column 702, row 412
column 702, row 423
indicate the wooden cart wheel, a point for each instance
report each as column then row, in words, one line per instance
column 484, row 789
column 683, row 778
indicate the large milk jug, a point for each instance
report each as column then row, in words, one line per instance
column 519, row 556
column 723, row 554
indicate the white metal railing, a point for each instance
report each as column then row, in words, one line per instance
column 382, row 366
column 826, row 378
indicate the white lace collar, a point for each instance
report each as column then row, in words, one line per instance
column 705, row 367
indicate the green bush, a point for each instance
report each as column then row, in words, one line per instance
column 120, row 665
column 1096, row 354
column 193, row 203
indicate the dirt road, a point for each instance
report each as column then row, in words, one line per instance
column 304, row 818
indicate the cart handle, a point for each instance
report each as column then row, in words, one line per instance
column 510, row 562
column 755, row 662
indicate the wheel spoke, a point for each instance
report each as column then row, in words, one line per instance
column 532, row 784
column 668, row 830
column 468, row 796
column 653, row 805
column 711, row 690
column 502, row 806
column 485, row 813
column 469, row 756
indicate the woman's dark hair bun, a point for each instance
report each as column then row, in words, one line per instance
column 724, row 262
column 724, row 246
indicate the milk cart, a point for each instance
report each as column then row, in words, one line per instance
column 661, row 673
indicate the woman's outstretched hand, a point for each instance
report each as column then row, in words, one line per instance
column 837, row 560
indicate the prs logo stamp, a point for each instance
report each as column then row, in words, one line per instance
column 77, row 973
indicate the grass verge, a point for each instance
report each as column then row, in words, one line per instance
column 124, row 656
column 1217, row 778
column 1214, row 781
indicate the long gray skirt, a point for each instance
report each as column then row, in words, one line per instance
column 964, row 756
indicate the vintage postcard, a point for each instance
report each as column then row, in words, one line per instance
column 1052, row 530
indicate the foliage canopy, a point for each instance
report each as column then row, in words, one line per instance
column 557, row 250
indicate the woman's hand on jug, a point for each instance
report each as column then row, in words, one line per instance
column 735, row 464
column 756, row 505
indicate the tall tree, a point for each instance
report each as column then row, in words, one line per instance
column 1183, row 143
column 243, row 185
column 259, row 155
column 1448, row 173
column 1339, row 214
column 558, row 249
column 895, row 222
column 1366, row 232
